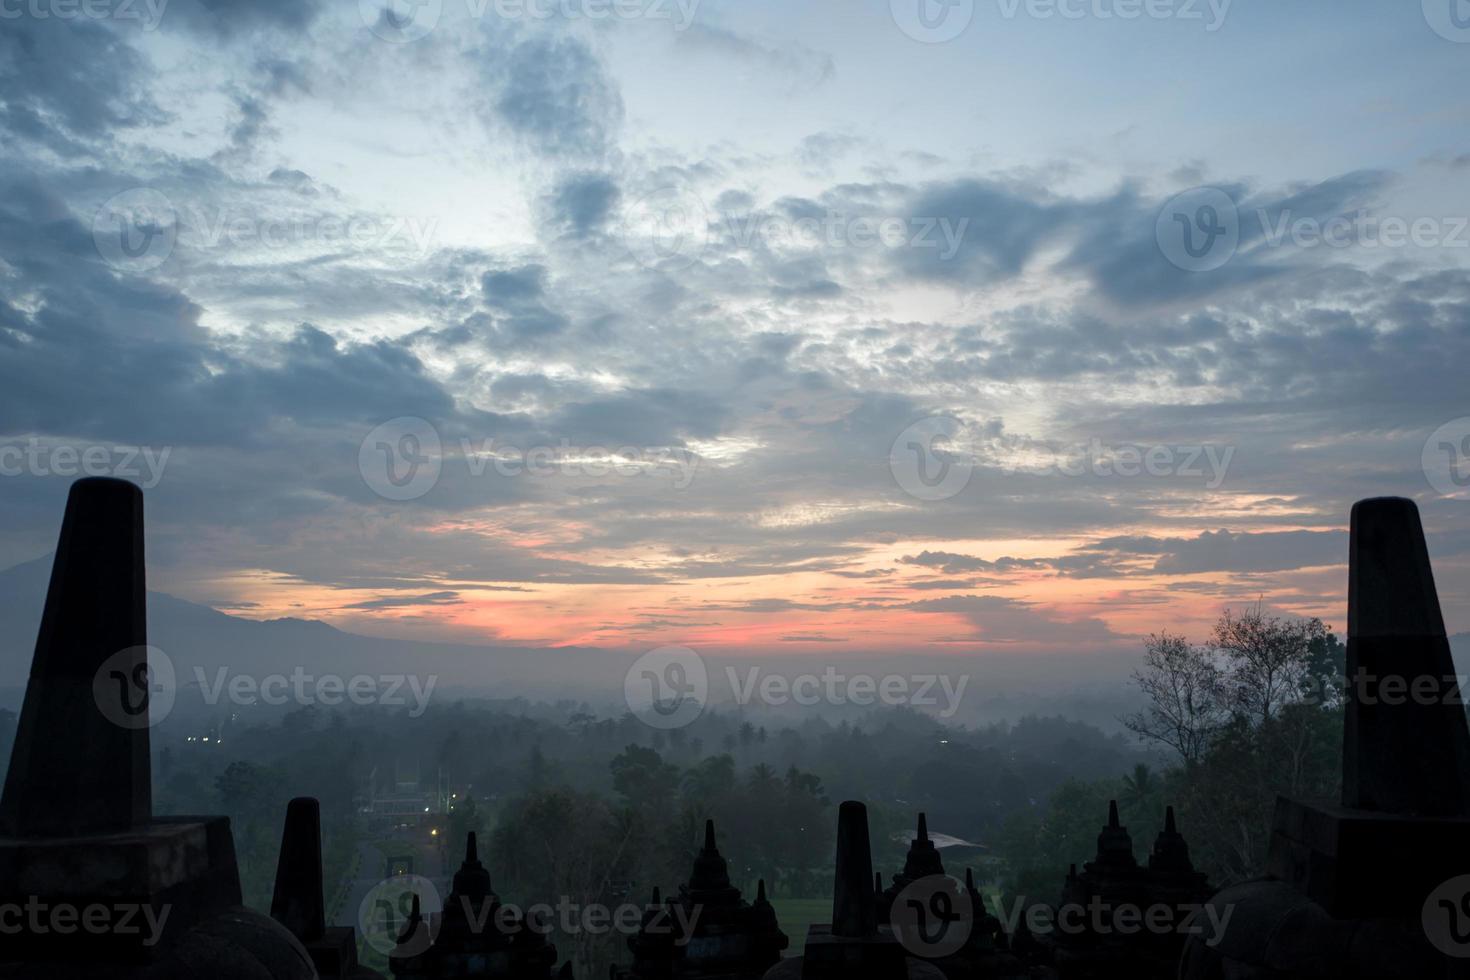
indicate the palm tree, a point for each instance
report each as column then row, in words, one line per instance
column 1138, row 787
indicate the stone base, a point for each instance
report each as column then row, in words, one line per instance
column 125, row 895
column 1358, row 864
column 794, row 968
column 335, row 954
column 879, row 957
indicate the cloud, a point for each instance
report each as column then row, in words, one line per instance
column 1227, row 551
column 553, row 93
column 583, row 202
column 67, row 82
column 781, row 369
column 404, row 601
column 233, row 18
column 998, row 620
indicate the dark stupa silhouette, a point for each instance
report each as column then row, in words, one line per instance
column 985, row 950
column 1097, row 946
column 298, row 901
column 475, row 935
column 1358, row 889
column 730, row 939
column 853, row 944
column 76, row 825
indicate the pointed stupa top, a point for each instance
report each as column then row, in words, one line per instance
column 1401, row 754
column 80, row 762
column 711, row 874
column 923, row 858
column 854, row 911
column 472, row 881
column 297, row 901
column 1114, row 846
column 1171, row 852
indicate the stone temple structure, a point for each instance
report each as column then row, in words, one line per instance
column 985, row 952
column 1090, row 939
column 474, row 935
column 854, row 945
column 731, row 939
column 1379, row 884
column 112, row 891
column 1376, row 885
column 297, row 902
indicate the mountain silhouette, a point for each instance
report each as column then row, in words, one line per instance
column 200, row 640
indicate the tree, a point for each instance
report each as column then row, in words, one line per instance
column 1269, row 660
column 644, row 779
column 1139, row 786
column 1185, row 699
column 1253, row 714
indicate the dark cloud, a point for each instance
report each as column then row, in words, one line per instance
column 554, row 94
column 1227, row 551
column 583, row 202
column 67, row 81
column 232, row 18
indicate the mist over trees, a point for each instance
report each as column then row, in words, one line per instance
column 598, row 809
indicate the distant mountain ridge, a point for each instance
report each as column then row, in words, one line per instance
column 200, row 639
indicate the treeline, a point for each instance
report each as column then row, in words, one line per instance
column 645, row 791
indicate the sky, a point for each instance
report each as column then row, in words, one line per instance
column 807, row 328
